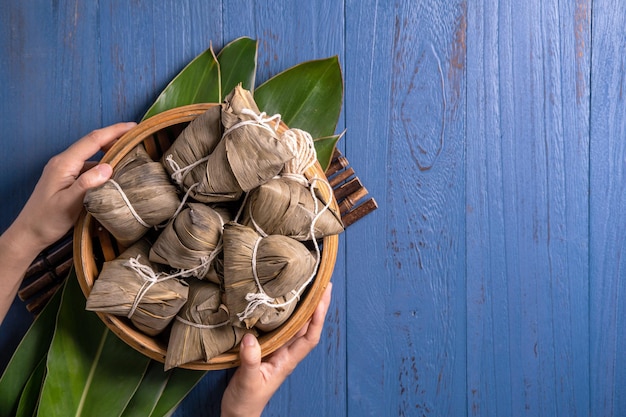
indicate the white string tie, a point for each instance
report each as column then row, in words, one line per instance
column 179, row 173
column 202, row 326
column 260, row 120
column 128, row 204
column 301, row 145
column 150, row 278
column 261, row 298
column 299, row 178
column 180, row 206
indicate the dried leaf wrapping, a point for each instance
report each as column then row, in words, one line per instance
column 230, row 169
column 192, row 239
column 286, row 206
column 202, row 329
column 138, row 196
column 274, row 317
column 281, row 264
column 118, row 287
column 184, row 159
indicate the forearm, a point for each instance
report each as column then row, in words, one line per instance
column 17, row 250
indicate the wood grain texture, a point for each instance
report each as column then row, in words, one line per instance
column 405, row 66
column 40, row 104
column 527, row 201
column 607, row 203
column 144, row 45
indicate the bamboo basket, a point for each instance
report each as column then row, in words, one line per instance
column 93, row 245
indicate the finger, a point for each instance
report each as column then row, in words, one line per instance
column 94, row 177
column 250, row 357
column 90, row 144
column 305, row 328
column 301, row 346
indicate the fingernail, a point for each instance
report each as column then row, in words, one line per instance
column 104, row 170
column 248, row 339
column 131, row 124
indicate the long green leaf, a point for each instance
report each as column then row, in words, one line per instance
column 180, row 384
column 324, row 147
column 147, row 395
column 237, row 62
column 90, row 370
column 198, row 82
column 28, row 354
column 30, row 395
column 160, row 392
column 307, row 96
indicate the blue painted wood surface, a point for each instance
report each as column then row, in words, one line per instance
column 490, row 280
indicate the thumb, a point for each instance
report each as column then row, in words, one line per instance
column 94, row 177
column 250, row 356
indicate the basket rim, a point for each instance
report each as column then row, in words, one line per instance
column 147, row 345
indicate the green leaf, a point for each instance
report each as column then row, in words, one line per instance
column 90, row 370
column 307, row 96
column 147, row 395
column 180, row 384
column 30, row 395
column 198, row 82
column 324, row 147
column 28, row 354
column 160, row 392
column 237, row 62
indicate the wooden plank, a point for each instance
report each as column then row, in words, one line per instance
column 47, row 101
column 144, row 45
column 288, row 32
column 607, row 206
column 38, row 78
column 406, row 114
column 527, row 220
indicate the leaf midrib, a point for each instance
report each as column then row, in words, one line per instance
column 91, row 374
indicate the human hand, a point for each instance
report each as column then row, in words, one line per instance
column 57, row 199
column 254, row 382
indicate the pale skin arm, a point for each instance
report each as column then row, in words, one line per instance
column 53, row 207
column 254, row 382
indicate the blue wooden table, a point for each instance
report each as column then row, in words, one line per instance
column 490, row 281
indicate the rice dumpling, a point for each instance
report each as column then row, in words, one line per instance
column 138, row 196
column 192, row 240
column 286, row 206
column 133, row 287
column 202, row 329
column 185, row 160
column 249, row 153
column 259, row 270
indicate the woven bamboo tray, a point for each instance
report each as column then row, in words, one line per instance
column 93, row 245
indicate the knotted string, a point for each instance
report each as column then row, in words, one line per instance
column 151, row 277
column 180, row 206
column 179, row 173
column 260, row 120
column 260, row 297
column 302, row 146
